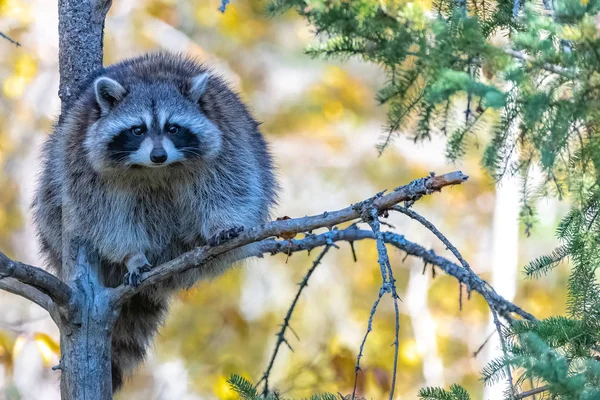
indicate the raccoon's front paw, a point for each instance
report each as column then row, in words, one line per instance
column 225, row 235
column 136, row 266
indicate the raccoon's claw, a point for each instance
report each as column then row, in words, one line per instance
column 225, row 235
column 134, row 278
column 136, row 265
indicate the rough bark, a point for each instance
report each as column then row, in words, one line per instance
column 81, row 37
column 86, row 324
column 85, row 339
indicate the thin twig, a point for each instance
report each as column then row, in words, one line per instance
column 531, row 392
column 504, row 349
column 362, row 345
column 476, row 352
column 557, row 69
column 470, row 279
column 388, row 284
column 10, row 40
column 423, row 221
column 286, row 321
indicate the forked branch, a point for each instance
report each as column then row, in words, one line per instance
column 195, row 258
column 33, row 283
column 354, row 234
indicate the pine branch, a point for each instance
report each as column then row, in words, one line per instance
column 531, row 392
column 567, row 73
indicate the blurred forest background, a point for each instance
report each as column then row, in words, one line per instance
column 323, row 123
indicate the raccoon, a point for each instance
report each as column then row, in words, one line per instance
column 155, row 156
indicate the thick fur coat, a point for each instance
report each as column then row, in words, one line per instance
column 155, row 156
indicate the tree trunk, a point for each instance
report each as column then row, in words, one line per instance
column 85, row 334
column 86, row 355
column 80, row 43
column 86, row 329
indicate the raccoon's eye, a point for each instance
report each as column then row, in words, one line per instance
column 138, row 130
column 173, row 129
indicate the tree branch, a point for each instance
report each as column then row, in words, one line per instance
column 419, row 218
column 195, row 258
column 532, row 392
column 557, row 69
column 10, row 40
column 352, row 234
column 388, row 285
column 34, row 282
column 14, row 286
column 286, row 321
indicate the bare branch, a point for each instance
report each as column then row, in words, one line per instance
column 13, row 286
column 489, row 290
column 286, row 321
column 35, row 278
column 476, row 352
column 463, row 274
column 532, row 392
column 419, row 218
column 353, row 234
column 457, row 254
column 387, row 285
column 195, row 258
column 362, row 345
column 10, row 40
column 504, row 349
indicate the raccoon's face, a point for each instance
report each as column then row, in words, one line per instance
column 150, row 125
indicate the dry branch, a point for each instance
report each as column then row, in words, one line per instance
column 286, row 321
column 25, row 278
column 353, row 234
column 411, row 192
column 13, row 286
column 2, row 35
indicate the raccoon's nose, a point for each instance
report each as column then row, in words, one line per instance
column 158, row 156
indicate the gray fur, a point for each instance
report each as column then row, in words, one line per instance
column 128, row 212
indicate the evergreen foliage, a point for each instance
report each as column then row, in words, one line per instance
column 529, row 73
column 456, row 392
column 246, row 390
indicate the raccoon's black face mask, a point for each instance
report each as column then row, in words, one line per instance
column 150, row 125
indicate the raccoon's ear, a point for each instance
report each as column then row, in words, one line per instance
column 108, row 93
column 198, row 87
